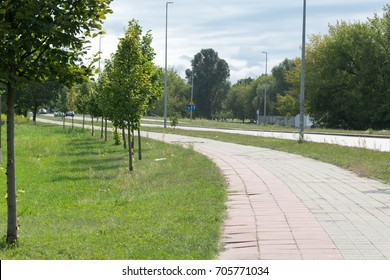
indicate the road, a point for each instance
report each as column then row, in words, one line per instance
column 379, row 143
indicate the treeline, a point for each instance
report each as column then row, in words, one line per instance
column 129, row 84
column 347, row 81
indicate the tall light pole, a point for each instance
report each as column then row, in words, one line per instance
column 192, row 92
column 100, row 51
column 302, row 95
column 166, row 62
column 265, row 88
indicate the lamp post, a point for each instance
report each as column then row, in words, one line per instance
column 166, row 62
column 265, row 88
column 100, row 53
column 192, row 92
column 302, row 94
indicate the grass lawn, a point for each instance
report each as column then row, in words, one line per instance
column 76, row 199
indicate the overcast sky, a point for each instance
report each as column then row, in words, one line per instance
column 239, row 30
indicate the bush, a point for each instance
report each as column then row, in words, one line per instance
column 174, row 121
column 18, row 119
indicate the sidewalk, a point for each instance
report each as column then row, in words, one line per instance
column 284, row 206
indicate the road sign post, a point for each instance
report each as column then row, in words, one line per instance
column 191, row 107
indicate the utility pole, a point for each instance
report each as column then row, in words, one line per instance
column 302, row 95
column 166, row 63
column 265, row 88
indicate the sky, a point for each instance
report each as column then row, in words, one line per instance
column 239, row 30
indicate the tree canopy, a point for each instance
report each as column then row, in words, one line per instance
column 348, row 72
column 211, row 84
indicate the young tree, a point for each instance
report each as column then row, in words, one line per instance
column 133, row 80
column 83, row 94
column 42, row 39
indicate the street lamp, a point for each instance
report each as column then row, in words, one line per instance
column 265, row 88
column 100, row 50
column 166, row 62
column 192, row 92
column 302, row 95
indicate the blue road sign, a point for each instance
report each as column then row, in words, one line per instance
column 191, row 107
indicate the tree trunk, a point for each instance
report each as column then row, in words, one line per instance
column 130, row 148
column 72, row 122
column 35, row 110
column 139, row 144
column 102, row 131
column 105, row 130
column 93, row 128
column 63, row 121
column 132, row 137
column 12, row 227
column 1, row 127
column 124, row 138
column 83, row 121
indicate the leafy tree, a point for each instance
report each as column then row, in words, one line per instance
column 210, row 82
column 179, row 96
column 288, row 103
column 93, row 108
column 282, row 85
column 31, row 95
column 83, row 95
column 348, row 72
column 132, row 80
column 238, row 100
column 41, row 39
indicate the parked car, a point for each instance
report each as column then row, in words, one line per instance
column 70, row 114
column 42, row 111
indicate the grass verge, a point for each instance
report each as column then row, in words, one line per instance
column 76, row 199
column 364, row 162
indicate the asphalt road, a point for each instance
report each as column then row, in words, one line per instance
column 367, row 141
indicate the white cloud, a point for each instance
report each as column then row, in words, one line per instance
column 238, row 30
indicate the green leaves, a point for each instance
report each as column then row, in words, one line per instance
column 347, row 74
column 130, row 82
column 48, row 37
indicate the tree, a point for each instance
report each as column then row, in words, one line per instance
column 210, row 82
column 62, row 103
column 131, row 81
column 179, row 96
column 348, row 73
column 42, row 39
column 288, row 103
column 282, row 85
column 31, row 95
column 83, row 95
column 238, row 101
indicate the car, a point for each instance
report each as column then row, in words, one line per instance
column 42, row 111
column 70, row 114
column 58, row 114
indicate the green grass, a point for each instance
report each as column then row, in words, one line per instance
column 76, row 199
column 364, row 162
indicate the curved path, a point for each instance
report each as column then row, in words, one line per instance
column 284, row 206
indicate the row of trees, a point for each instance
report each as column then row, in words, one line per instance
column 347, row 81
column 42, row 57
column 42, row 40
column 216, row 98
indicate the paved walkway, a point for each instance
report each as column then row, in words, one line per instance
column 284, row 206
